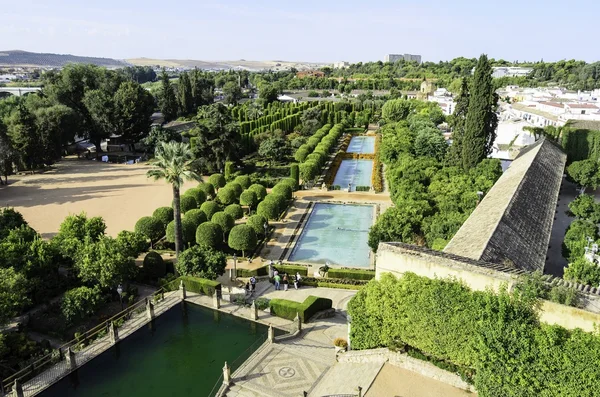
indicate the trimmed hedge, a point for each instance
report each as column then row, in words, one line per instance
column 209, row 234
column 227, row 195
column 243, row 181
column 188, row 231
column 154, row 265
column 164, row 214
column 235, row 211
column 224, row 220
column 196, row 217
column 188, row 203
column 197, row 194
column 236, row 187
column 150, row 227
column 288, row 309
column 268, row 209
column 198, row 285
column 351, row 274
column 249, row 198
column 208, row 189
column 334, row 282
column 260, row 190
column 291, row 269
column 284, row 190
column 261, row 271
column 210, row 208
column 217, row 180
column 257, row 223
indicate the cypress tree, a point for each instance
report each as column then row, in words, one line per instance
column 186, row 100
column 481, row 121
column 168, row 100
column 457, row 122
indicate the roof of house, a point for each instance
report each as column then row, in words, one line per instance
column 582, row 106
column 525, row 108
column 584, row 124
column 513, row 222
column 553, row 104
column 180, row 126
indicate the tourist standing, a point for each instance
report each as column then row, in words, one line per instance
column 277, row 279
column 285, row 282
column 297, row 280
column 252, row 283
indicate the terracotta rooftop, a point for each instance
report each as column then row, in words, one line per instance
column 582, row 106
column 512, row 224
column 553, row 104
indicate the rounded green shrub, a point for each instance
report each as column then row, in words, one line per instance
column 187, row 203
column 235, row 210
column 308, row 171
column 257, row 222
column 295, row 174
column 284, row 190
column 243, row 180
column 260, row 190
column 197, row 194
column 236, row 187
column 208, row 189
column 196, row 216
column 210, row 208
column 154, row 265
column 242, row 238
column 224, row 220
column 209, row 234
column 301, row 153
column 248, row 197
column 226, row 196
column 268, row 209
column 291, row 182
column 163, row 214
column 150, row 227
column 188, row 231
column 229, row 170
column 278, row 199
column 217, row 180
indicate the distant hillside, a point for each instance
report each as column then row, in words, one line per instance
column 240, row 64
column 18, row 58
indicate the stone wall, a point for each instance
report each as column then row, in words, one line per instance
column 399, row 258
column 402, row 360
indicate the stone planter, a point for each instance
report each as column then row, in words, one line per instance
column 339, row 349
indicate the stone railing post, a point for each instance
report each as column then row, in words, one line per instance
column 70, row 357
column 226, row 375
column 149, row 309
column 216, row 301
column 271, row 334
column 113, row 332
column 253, row 311
column 18, row 388
column 298, row 322
column 182, row 290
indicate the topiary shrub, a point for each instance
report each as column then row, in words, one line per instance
column 163, row 214
column 257, row 222
column 260, row 190
column 353, row 274
column 295, row 174
column 248, row 197
column 226, row 196
column 197, row 194
column 188, row 203
column 279, row 199
column 288, row 309
column 154, row 265
column 235, row 210
column 291, row 182
column 243, row 181
column 209, row 235
column 210, row 208
column 150, row 227
column 208, row 189
column 242, row 238
column 224, row 220
column 196, row 217
column 217, row 180
column 236, row 187
column 188, row 231
column 268, row 209
column 284, row 190
column 229, row 170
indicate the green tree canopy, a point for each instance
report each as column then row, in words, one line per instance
column 202, row 262
column 242, row 238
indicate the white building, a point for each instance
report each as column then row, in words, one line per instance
column 341, row 65
column 510, row 71
column 397, row 57
column 582, row 108
column 444, row 99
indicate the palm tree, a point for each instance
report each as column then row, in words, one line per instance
column 173, row 162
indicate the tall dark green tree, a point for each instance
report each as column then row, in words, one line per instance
column 184, row 94
column 7, row 154
column 167, row 100
column 217, row 139
column 457, row 122
column 203, row 87
column 25, row 139
column 133, row 108
column 482, row 120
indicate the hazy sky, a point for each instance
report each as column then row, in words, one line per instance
column 304, row 30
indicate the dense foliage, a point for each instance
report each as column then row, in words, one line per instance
column 495, row 337
column 201, row 262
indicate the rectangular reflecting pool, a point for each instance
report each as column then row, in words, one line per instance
column 182, row 356
column 354, row 172
column 337, row 234
column 362, row 144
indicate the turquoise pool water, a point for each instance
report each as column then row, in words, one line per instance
column 356, row 172
column 183, row 356
column 362, row 144
column 337, row 234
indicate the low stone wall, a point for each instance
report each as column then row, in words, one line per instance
column 402, row 360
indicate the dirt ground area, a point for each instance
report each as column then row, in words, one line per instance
column 397, row 382
column 119, row 193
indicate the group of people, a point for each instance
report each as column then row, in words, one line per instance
column 285, row 281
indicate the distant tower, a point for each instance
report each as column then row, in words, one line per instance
column 427, row 88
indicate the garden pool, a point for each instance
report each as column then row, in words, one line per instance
column 356, row 172
column 362, row 144
column 337, row 234
column 182, row 356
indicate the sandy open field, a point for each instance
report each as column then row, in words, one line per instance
column 119, row 193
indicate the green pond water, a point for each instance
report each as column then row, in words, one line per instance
column 183, row 355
